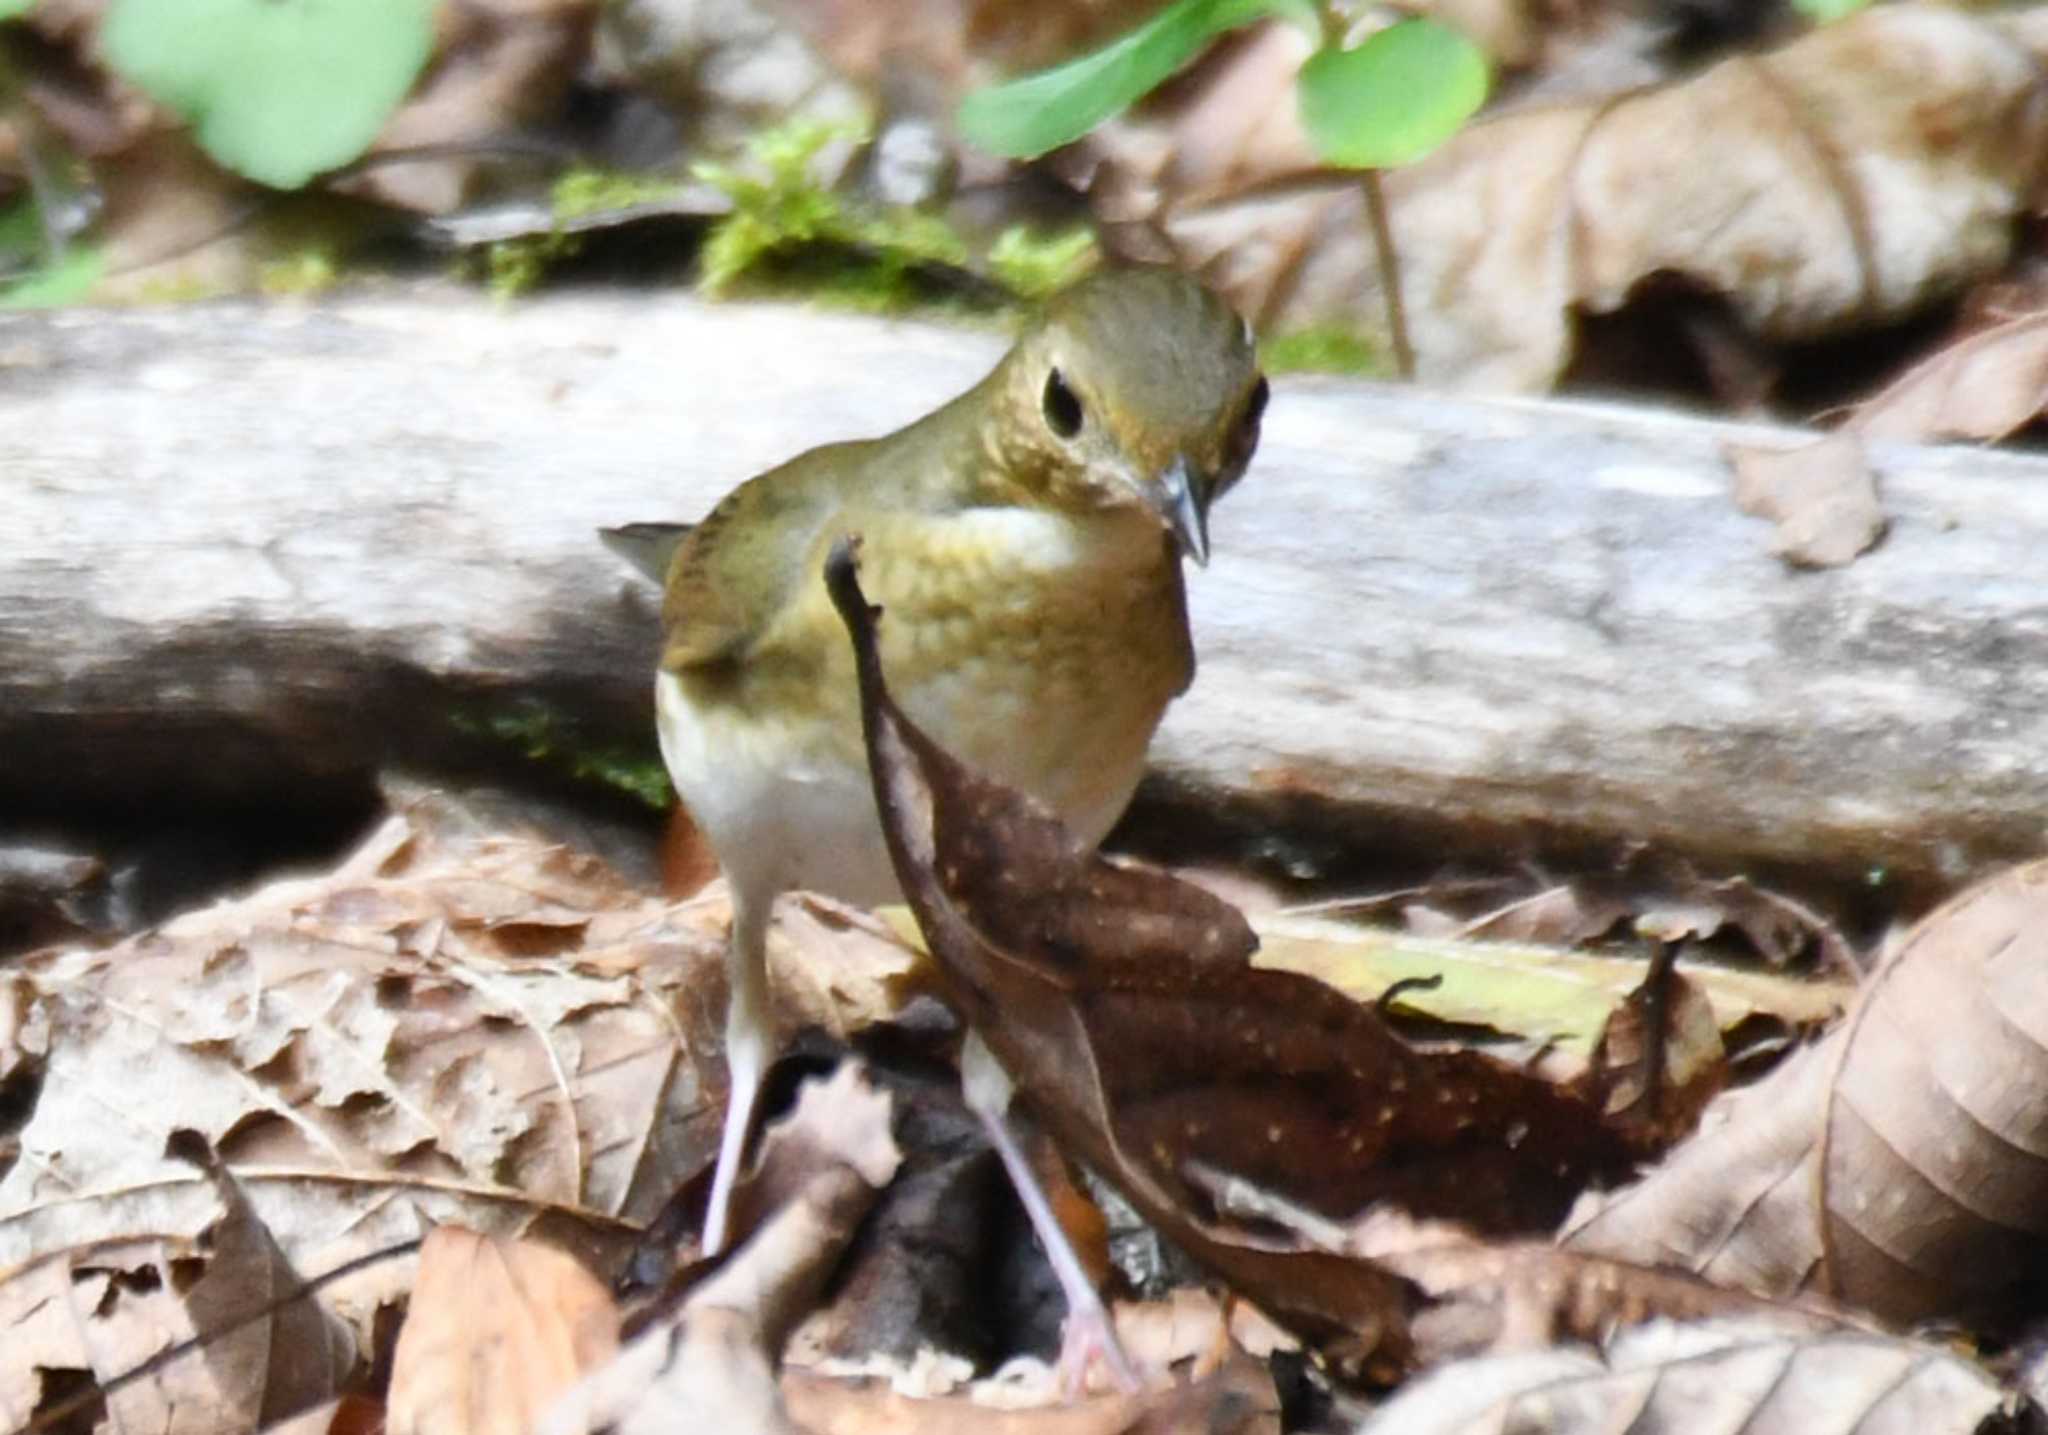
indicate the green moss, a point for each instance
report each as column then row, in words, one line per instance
column 787, row 227
column 542, row 736
column 1037, row 266
column 309, row 271
column 513, row 267
column 584, row 190
column 1325, row 349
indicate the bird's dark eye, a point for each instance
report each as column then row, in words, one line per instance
column 1255, row 406
column 1062, row 407
column 1245, row 437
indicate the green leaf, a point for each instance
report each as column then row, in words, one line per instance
column 1394, row 98
column 277, row 90
column 1826, row 12
column 1546, row 995
column 61, row 281
column 1040, row 112
column 14, row 9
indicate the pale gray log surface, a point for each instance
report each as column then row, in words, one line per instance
column 244, row 545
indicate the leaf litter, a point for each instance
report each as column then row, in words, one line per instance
column 460, row 1029
column 1862, row 171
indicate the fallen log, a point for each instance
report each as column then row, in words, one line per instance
column 245, row 547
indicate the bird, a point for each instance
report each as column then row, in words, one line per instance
column 1026, row 539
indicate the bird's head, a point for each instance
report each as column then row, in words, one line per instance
column 1135, row 389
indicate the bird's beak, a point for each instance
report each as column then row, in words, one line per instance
column 1179, row 494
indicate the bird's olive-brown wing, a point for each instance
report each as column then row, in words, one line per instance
column 738, row 568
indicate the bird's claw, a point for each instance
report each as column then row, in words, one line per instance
column 1089, row 1335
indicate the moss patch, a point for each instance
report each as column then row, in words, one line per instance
column 1325, row 349
column 541, row 735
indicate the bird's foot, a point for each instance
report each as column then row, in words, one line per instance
column 1087, row 1336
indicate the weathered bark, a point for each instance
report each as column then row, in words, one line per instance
column 247, row 547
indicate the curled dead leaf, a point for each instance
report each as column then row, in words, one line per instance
column 1123, row 1005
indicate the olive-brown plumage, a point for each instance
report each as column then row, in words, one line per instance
column 1025, row 541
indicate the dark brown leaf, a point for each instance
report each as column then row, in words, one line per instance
column 1123, row 1004
column 1660, row 1059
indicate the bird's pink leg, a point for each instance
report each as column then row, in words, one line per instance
column 1088, row 1333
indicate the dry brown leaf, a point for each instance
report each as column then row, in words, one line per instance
column 453, row 1028
column 1780, row 927
column 1735, row 1204
column 1720, row 1375
column 1478, row 1296
column 1935, row 1192
column 1892, row 1165
column 1660, row 1060
column 1845, row 179
column 1565, row 915
column 1986, row 385
column 234, row 1350
column 496, row 1331
column 713, row 1368
column 1668, row 900
column 1122, row 1003
column 1822, row 497
column 75, row 1320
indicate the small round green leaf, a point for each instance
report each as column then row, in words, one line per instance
column 278, row 90
column 1028, row 116
column 1394, row 98
column 1826, row 12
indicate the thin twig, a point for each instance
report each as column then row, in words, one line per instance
column 1390, row 274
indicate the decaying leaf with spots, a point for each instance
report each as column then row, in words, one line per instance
column 1123, row 1005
